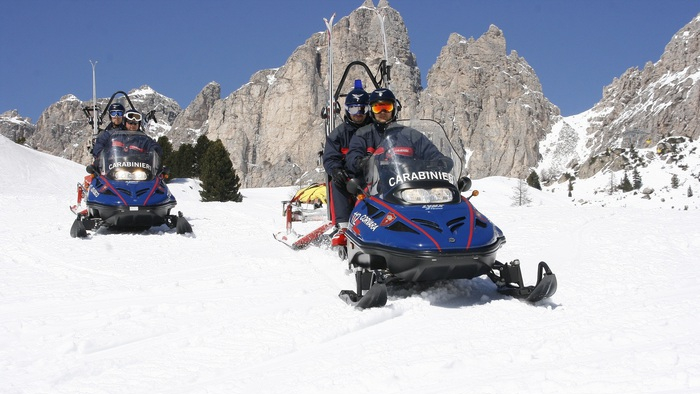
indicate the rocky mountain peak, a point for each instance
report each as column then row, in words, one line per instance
column 189, row 124
column 491, row 104
column 642, row 107
column 16, row 127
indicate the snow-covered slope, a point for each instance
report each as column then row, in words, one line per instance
column 230, row 310
column 656, row 164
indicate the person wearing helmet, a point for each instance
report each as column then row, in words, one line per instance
column 116, row 122
column 337, row 143
column 116, row 117
column 405, row 141
column 133, row 122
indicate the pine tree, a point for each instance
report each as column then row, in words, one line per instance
column 219, row 179
column 183, row 162
column 690, row 192
column 675, row 182
column 612, row 183
column 636, row 179
column 167, row 157
column 626, row 185
column 571, row 186
column 533, row 180
column 200, row 149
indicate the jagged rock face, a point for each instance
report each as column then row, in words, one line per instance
column 15, row 127
column 491, row 104
column 187, row 127
column 272, row 125
column 643, row 106
column 63, row 129
column 146, row 99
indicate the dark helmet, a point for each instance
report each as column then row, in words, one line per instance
column 356, row 97
column 356, row 101
column 116, row 107
column 383, row 94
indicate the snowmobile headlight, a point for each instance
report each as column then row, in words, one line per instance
column 135, row 175
column 139, row 175
column 439, row 195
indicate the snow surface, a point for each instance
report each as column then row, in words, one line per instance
column 231, row 310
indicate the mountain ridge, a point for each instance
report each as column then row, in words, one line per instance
column 490, row 102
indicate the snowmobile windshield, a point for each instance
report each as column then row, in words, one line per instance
column 415, row 163
column 130, row 157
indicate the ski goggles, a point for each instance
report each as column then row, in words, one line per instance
column 133, row 116
column 356, row 109
column 116, row 113
column 380, row 106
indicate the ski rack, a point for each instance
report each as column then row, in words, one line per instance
column 91, row 110
column 383, row 71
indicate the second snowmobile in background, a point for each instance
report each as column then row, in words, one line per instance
column 126, row 188
column 128, row 191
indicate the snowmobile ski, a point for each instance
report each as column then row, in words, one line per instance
column 371, row 281
column 510, row 281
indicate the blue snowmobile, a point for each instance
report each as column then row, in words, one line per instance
column 127, row 190
column 411, row 224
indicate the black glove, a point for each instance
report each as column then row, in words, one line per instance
column 362, row 162
column 443, row 164
column 340, row 177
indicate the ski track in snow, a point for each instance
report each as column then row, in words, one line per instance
column 231, row 310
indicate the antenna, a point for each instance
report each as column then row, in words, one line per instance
column 331, row 107
column 94, row 99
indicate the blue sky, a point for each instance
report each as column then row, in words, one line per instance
column 177, row 47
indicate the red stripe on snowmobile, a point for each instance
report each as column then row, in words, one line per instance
column 471, row 222
column 153, row 189
column 382, row 203
column 115, row 191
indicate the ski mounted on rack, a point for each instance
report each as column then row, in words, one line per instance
column 293, row 210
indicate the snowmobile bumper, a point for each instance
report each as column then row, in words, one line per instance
column 130, row 216
column 420, row 266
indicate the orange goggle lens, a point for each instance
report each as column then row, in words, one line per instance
column 382, row 106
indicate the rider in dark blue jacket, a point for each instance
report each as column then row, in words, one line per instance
column 122, row 138
column 404, row 141
column 337, row 143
